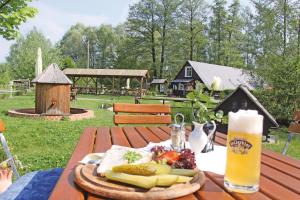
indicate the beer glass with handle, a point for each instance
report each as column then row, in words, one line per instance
column 243, row 151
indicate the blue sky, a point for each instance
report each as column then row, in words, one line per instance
column 55, row 17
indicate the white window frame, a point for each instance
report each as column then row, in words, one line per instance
column 186, row 71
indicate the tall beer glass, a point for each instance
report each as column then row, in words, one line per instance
column 243, row 151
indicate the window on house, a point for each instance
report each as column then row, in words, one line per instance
column 188, row 71
column 174, row 87
column 180, row 86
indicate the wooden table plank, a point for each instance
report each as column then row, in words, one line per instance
column 282, row 158
column 118, row 137
column 281, row 178
column 276, row 191
column 159, row 133
column 134, row 138
column 213, row 191
column 65, row 187
column 148, row 135
column 103, row 140
column 219, row 179
column 166, row 129
column 281, row 166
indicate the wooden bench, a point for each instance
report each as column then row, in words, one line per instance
column 294, row 128
column 142, row 113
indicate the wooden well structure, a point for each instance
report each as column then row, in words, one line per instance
column 52, row 95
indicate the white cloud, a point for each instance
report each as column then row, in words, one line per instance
column 53, row 22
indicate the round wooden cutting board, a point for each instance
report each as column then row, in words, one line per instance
column 87, row 179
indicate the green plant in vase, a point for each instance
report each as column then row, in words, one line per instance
column 204, row 103
column 203, row 113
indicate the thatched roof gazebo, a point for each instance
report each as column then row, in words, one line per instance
column 52, row 95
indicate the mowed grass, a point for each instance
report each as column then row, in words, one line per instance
column 41, row 144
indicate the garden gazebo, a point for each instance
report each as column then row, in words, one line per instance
column 93, row 76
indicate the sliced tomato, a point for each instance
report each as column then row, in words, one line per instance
column 170, row 156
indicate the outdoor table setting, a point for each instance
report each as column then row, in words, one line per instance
column 204, row 170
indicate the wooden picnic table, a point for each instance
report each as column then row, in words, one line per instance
column 280, row 175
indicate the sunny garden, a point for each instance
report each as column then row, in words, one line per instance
column 192, row 55
column 42, row 144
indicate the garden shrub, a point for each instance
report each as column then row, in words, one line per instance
column 281, row 103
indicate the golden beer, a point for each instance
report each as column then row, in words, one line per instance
column 243, row 153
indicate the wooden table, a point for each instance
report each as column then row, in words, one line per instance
column 280, row 175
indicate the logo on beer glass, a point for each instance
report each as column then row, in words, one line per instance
column 240, row 145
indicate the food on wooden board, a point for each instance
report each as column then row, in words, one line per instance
column 160, row 168
column 147, row 182
column 183, row 172
column 170, row 156
column 119, row 155
column 139, row 169
column 184, row 179
column 166, row 179
column 184, row 159
column 132, row 156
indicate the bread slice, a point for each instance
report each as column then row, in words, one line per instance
column 115, row 156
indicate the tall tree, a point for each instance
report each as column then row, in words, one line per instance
column 234, row 36
column 12, row 15
column 142, row 29
column 22, row 55
column 106, row 46
column 217, row 34
column 249, row 44
column 72, row 45
column 193, row 18
column 166, row 12
column 277, row 61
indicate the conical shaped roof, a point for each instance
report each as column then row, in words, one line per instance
column 52, row 75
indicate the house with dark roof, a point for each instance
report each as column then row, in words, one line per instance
column 242, row 98
column 192, row 71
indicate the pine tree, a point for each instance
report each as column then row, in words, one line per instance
column 192, row 27
column 166, row 12
column 217, row 33
column 234, row 36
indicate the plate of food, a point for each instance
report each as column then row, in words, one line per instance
column 127, row 173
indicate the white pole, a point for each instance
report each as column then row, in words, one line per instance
column 88, row 54
column 39, row 63
column 11, row 83
column 128, row 83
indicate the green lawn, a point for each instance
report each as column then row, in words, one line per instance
column 41, row 144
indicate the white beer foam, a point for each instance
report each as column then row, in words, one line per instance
column 246, row 121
